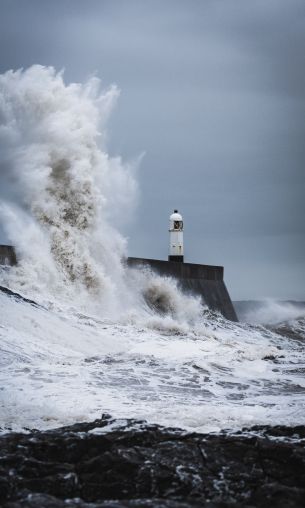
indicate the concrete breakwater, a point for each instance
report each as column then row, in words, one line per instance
column 7, row 255
column 204, row 280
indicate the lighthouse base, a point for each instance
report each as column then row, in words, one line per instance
column 204, row 280
column 176, row 258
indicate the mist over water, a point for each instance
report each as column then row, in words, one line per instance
column 108, row 338
column 269, row 311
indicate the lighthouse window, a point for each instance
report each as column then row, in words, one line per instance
column 178, row 225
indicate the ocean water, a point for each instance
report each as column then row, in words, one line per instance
column 104, row 338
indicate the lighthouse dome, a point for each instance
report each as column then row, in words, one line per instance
column 175, row 216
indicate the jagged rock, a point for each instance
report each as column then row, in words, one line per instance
column 125, row 463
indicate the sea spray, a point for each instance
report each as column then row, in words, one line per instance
column 60, row 188
column 270, row 311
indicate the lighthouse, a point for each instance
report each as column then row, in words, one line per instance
column 175, row 237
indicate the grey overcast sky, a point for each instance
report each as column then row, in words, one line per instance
column 213, row 91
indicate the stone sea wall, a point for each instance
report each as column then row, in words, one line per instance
column 205, row 280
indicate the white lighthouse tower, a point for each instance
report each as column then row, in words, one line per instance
column 175, row 237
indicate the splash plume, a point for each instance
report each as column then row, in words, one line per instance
column 61, row 190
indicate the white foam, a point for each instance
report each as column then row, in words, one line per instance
column 59, row 367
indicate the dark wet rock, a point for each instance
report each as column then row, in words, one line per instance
column 124, row 463
column 274, row 359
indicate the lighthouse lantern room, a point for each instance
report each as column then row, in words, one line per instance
column 175, row 237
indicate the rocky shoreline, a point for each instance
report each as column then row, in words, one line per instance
column 126, row 463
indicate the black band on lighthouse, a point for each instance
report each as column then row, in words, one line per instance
column 176, row 258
